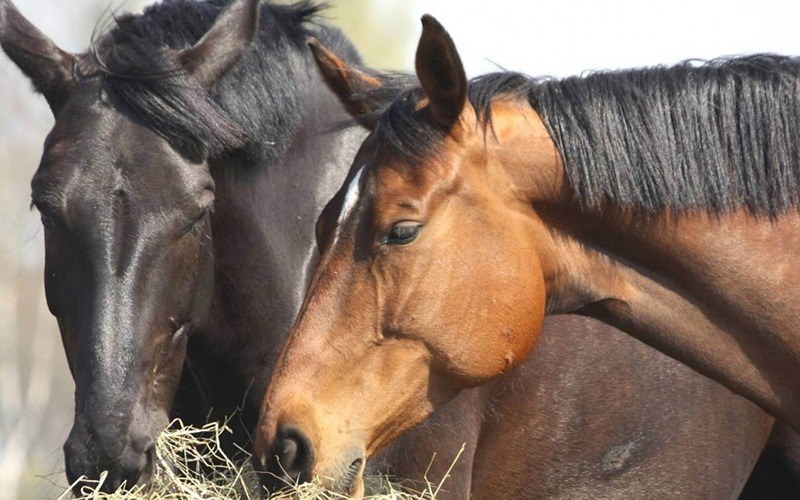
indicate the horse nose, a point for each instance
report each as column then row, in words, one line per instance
column 84, row 462
column 291, row 459
column 294, row 454
column 75, row 464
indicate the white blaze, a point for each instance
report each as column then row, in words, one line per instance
column 351, row 197
column 350, row 201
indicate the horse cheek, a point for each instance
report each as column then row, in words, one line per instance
column 511, row 331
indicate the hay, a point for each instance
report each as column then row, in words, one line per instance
column 191, row 464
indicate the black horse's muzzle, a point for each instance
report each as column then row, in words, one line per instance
column 128, row 459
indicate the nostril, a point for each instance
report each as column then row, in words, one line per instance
column 294, row 454
column 288, row 452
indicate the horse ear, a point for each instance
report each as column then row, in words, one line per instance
column 224, row 44
column 350, row 85
column 48, row 67
column 441, row 73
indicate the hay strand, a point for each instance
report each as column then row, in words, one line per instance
column 191, row 464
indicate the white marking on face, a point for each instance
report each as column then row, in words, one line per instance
column 351, row 197
column 350, row 201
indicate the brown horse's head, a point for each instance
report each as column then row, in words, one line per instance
column 428, row 281
column 125, row 210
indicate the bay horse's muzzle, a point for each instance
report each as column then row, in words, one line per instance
column 288, row 462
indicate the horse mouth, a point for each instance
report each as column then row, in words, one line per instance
column 349, row 483
column 149, row 468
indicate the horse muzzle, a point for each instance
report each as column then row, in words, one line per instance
column 127, row 458
column 291, row 460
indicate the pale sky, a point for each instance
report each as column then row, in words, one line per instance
column 557, row 38
column 561, row 38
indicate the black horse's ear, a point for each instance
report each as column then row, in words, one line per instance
column 224, row 44
column 350, row 85
column 441, row 73
column 47, row 66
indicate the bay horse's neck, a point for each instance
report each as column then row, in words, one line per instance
column 717, row 292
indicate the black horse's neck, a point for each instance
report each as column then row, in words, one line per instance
column 268, row 196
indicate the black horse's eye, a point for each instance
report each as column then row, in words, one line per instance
column 198, row 222
column 45, row 215
column 402, row 233
column 47, row 221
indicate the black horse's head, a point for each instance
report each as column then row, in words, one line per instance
column 124, row 191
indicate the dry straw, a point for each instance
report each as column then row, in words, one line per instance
column 191, row 464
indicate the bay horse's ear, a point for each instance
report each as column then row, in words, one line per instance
column 350, row 85
column 224, row 44
column 41, row 60
column 441, row 73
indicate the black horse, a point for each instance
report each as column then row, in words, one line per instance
column 195, row 120
column 140, row 156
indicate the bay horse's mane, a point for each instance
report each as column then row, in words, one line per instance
column 254, row 107
column 717, row 136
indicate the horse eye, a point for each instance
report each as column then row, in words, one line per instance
column 197, row 223
column 48, row 220
column 402, row 233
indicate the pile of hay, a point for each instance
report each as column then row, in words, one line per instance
column 190, row 464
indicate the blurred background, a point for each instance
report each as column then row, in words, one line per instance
column 539, row 38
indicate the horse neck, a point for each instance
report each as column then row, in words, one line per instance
column 431, row 449
column 263, row 234
column 698, row 287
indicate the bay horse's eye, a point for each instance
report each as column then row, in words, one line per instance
column 402, row 233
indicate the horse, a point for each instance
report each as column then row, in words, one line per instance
column 576, row 429
column 168, row 306
column 662, row 201
column 178, row 190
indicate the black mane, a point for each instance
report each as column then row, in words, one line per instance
column 257, row 107
column 718, row 136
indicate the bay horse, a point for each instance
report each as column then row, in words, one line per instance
column 615, row 421
column 149, row 284
column 662, row 201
